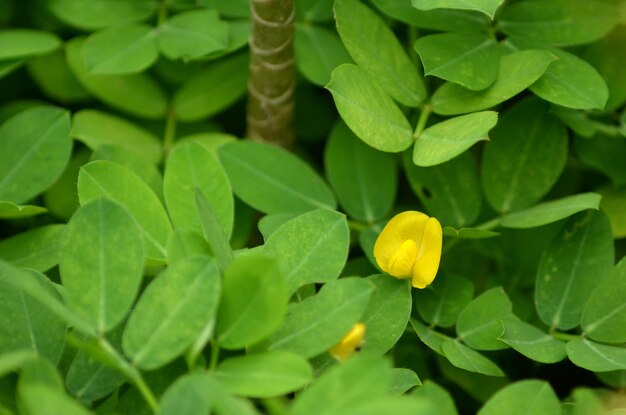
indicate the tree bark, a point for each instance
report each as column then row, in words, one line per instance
column 271, row 81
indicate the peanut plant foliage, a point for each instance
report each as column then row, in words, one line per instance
column 154, row 260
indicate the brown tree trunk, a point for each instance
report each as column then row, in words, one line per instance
column 271, row 81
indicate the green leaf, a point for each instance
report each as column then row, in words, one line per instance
column 191, row 393
column 468, row 233
column 9, row 210
column 375, row 48
column 479, row 323
column 603, row 153
column 437, row 396
column 368, row 110
column 523, row 397
column 518, row 71
column 595, row 356
column 97, row 129
column 311, row 248
column 269, row 223
column 450, row 191
column 314, row 10
column 273, row 180
column 364, row 179
column 38, row 248
column 135, row 94
column 447, row 139
column 193, row 34
column 604, row 315
column 399, row 405
column 487, row 7
column 613, row 205
column 387, row 314
column 171, row 312
column 436, row 19
column 429, row 337
column 39, row 399
column 185, row 244
column 320, row 321
column 551, row 211
column 402, row 380
column 468, row 59
column 233, row 8
column 559, row 22
column 100, row 284
column 525, row 157
column 190, row 165
column 571, row 82
column 576, row 259
column 253, row 303
column 90, row 380
column 101, row 13
column 358, row 380
column 463, row 357
column 212, row 230
column 24, row 43
column 111, row 180
column 318, row 52
column 35, row 149
column 264, row 375
column 213, row 89
column 28, row 283
column 578, row 121
column 26, row 324
column 442, row 305
column 134, row 162
column 53, row 76
column 13, row 361
column 532, row 342
column 120, row 50
column 6, row 67
column 61, row 198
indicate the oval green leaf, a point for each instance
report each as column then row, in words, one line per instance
column 447, row 139
column 264, row 375
column 193, row 34
column 487, row 7
column 442, row 305
column 311, row 248
column 318, row 52
column 523, row 397
column 518, row 71
column 38, row 248
column 375, row 48
column 273, row 180
column 467, row 59
column 479, row 323
column 365, row 180
column 368, row 110
column 575, row 260
column 100, row 284
column 320, row 321
column 532, row 342
column 596, row 357
column 604, row 315
column 24, row 43
column 463, row 357
column 9, row 210
column 35, row 150
column 525, row 157
column 101, row 13
column 171, row 312
column 190, row 165
column 450, row 191
column 253, row 303
column 107, row 179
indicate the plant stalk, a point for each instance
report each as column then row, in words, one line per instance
column 271, row 81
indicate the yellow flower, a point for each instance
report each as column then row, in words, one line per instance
column 350, row 344
column 410, row 247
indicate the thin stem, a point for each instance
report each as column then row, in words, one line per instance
column 564, row 336
column 130, row 372
column 215, row 354
column 170, row 131
column 357, row 226
column 427, row 109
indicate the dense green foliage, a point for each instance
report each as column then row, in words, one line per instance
column 152, row 260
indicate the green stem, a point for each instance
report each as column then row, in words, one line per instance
column 170, row 131
column 215, row 354
column 357, row 226
column 130, row 372
column 427, row 109
column 564, row 336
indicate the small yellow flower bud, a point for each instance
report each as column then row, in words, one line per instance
column 409, row 246
column 350, row 344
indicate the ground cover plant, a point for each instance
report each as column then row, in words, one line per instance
column 350, row 207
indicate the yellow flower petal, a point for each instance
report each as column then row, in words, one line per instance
column 409, row 246
column 350, row 344
column 425, row 267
